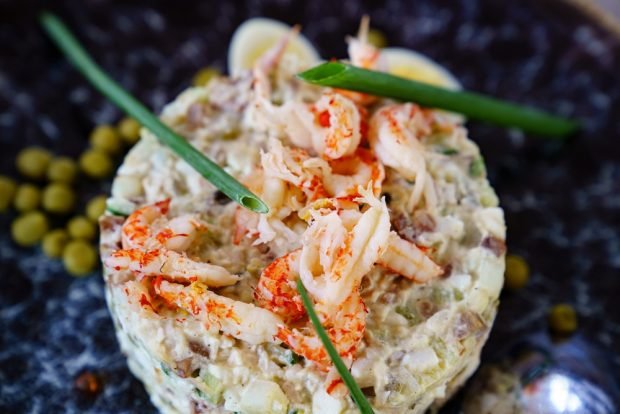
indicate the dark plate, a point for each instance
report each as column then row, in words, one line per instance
column 562, row 202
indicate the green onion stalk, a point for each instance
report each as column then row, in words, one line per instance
column 227, row 184
column 472, row 105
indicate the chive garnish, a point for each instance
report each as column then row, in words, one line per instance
column 473, row 105
column 227, row 184
column 354, row 389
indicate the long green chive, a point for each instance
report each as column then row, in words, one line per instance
column 227, row 184
column 472, row 105
column 354, row 389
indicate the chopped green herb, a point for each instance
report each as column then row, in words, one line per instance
column 120, row 206
column 166, row 369
column 201, row 394
column 116, row 213
column 292, row 358
column 449, row 151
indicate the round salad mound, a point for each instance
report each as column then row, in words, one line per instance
column 381, row 209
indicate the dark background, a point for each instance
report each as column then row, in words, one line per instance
column 562, row 201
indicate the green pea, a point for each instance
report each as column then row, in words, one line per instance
column 488, row 198
column 129, row 129
column 231, row 133
column 7, row 192
column 96, row 208
column 517, row 272
column 27, row 198
column 204, row 75
column 32, row 162
column 377, row 38
column 81, row 228
column 79, row 258
column 476, row 168
column 106, row 138
column 54, row 243
column 29, row 228
column 58, row 198
column 563, row 319
column 62, row 170
column 95, row 163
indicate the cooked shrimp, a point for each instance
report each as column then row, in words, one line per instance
column 240, row 320
column 363, row 55
column 332, row 126
column 394, row 135
column 268, row 62
column 406, row 259
column 276, row 288
column 137, row 228
column 318, row 178
column 245, row 224
column 177, row 235
column 334, row 259
column 282, row 200
column 148, row 252
column 139, row 296
column 349, row 173
column 345, row 327
column 337, row 126
column 338, row 204
column 336, row 254
column 171, row 264
column 288, row 164
column 264, row 114
column 263, row 228
column 285, row 184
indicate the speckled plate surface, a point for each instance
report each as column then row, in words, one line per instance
column 562, row 202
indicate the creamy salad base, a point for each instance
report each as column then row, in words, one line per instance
column 421, row 340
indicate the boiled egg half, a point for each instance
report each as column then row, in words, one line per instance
column 255, row 36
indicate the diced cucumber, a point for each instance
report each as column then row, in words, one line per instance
column 408, row 313
column 440, row 296
column 263, row 397
column 212, row 388
column 477, row 168
column 322, row 402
